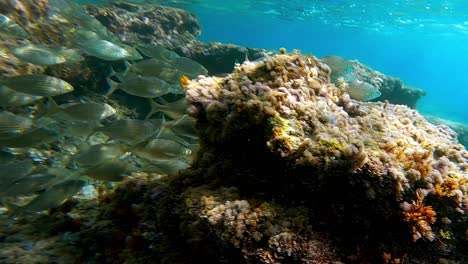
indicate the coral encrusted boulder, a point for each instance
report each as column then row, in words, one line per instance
column 381, row 181
column 291, row 170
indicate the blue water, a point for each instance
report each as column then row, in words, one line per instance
column 424, row 43
column 425, row 48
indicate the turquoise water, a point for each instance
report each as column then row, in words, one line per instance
column 424, row 43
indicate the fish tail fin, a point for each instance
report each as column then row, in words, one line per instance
column 128, row 66
column 46, row 110
column 121, row 75
column 246, row 56
column 113, row 86
column 155, row 107
column 53, row 106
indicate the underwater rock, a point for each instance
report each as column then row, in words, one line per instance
column 392, row 88
column 287, row 159
column 148, row 24
column 308, row 143
column 460, row 128
column 219, row 57
column 171, row 28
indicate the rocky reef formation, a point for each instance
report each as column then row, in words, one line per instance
column 392, row 89
column 291, row 170
column 171, row 28
column 148, row 24
column 460, row 128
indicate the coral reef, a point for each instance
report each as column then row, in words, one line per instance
column 289, row 159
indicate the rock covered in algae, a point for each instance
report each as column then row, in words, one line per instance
column 145, row 221
column 291, row 170
column 148, row 24
column 383, row 171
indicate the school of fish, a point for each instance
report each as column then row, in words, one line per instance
column 107, row 148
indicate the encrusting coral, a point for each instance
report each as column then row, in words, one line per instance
column 292, row 170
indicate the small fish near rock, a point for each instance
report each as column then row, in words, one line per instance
column 362, row 91
column 39, row 85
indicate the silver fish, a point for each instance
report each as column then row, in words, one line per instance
column 71, row 55
column 10, row 97
column 338, row 65
column 36, row 84
column 134, row 54
column 174, row 110
column 38, row 54
column 167, row 133
column 188, row 67
column 94, row 155
column 158, row 52
column 149, row 67
column 13, row 125
column 14, row 170
column 147, row 87
column 104, row 50
column 129, row 131
column 168, row 167
column 50, row 198
column 184, row 126
column 112, row 170
column 171, row 75
column 9, row 27
column 161, row 149
column 362, row 91
column 31, row 138
column 81, row 35
column 29, row 185
column 89, row 111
